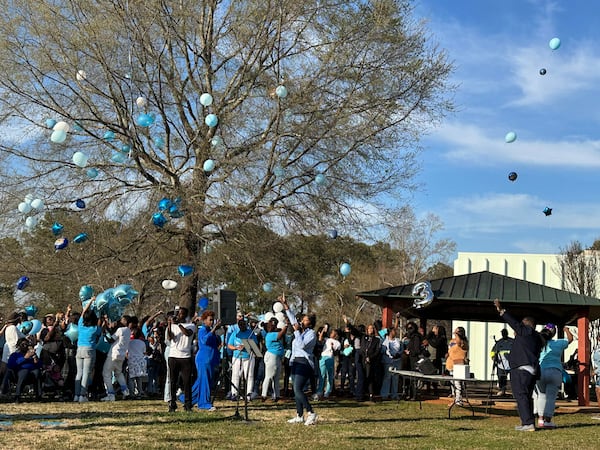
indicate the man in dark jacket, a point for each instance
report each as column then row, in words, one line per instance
column 524, row 365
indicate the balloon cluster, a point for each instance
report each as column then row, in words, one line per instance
column 111, row 302
column 277, row 313
column 59, row 130
column 30, row 327
column 167, row 209
column 31, row 205
column 62, row 242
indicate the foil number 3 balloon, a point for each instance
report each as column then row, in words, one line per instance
column 424, row 291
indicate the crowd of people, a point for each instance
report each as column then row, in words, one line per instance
column 186, row 359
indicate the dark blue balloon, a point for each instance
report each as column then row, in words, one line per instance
column 203, row 303
column 56, row 228
column 22, row 283
column 333, row 234
column 61, row 243
column 159, row 220
column 80, row 203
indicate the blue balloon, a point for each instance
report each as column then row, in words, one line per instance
column 208, row 165
column 92, row 172
column 121, row 290
column 118, row 157
column 159, row 141
column 36, row 326
column 86, row 292
column 61, row 243
column 31, row 310
column 164, row 204
column 125, row 148
column 72, row 332
column 268, row 287
column 345, row 269
column 510, row 137
column 50, row 123
column 211, row 120
column 145, row 120
column 80, row 238
column 22, row 283
column 80, row 203
column 174, row 212
column 185, row 270
column 203, row 303
column 333, row 234
column 159, row 220
column 102, row 300
column 109, row 135
column 57, row 228
column 320, row 178
column 25, row 327
column 554, row 43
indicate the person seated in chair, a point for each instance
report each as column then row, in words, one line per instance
column 23, row 363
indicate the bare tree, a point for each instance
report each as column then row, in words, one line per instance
column 292, row 113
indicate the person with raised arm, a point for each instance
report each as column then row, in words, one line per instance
column 302, row 362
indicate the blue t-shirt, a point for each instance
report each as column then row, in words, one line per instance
column 274, row 345
column 87, row 336
column 236, row 339
column 551, row 354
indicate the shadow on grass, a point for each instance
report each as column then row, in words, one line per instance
column 398, row 436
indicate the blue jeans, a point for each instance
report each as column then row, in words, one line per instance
column 84, row 360
column 326, row 381
column 302, row 373
column 389, row 385
column 548, row 386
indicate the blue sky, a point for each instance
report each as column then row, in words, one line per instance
column 498, row 49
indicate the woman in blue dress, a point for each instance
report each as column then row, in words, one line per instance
column 207, row 360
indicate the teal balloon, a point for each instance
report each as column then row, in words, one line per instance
column 109, row 135
column 164, row 204
column 268, row 287
column 36, row 326
column 185, row 270
column 216, row 141
column 25, row 327
column 159, row 220
column 345, row 269
column 209, row 165
column 31, row 310
column 101, row 302
column 554, row 43
column 320, row 178
column 50, row 123
column 211, row 120
column 118, row 157
column 281, row 92
column 72, row 332
column 86, row 292
column 279, row 172
column 159, row 141
column 92, row 172
column 125, row 148
column 144, row 120
column 58, row 136
column 174, row 212
column 510, row 137
column 80, row 238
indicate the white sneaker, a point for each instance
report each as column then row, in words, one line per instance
column 76, row 399
column 83, row 399
column 125, row 394
column 297, row 419
column 311, row 419
column 108, row 398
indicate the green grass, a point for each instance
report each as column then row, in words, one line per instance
column 345, row 424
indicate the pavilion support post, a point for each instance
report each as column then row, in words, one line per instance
column 583, row 355
column 388, row 315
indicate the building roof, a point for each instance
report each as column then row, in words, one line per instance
column 470, row 296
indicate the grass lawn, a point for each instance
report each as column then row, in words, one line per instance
column 343, row 424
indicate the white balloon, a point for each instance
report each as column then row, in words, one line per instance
column 206, row 99
column 280, row 316
column 37, row 203
column 24, row 207
column 268, row 316
column 141, row 102
column 62, row 125
column 29, row 198
column 31, row 222
column 169, row 285
column 81, row 75
column 277, row 307
column 280, row 324
column 80, row 159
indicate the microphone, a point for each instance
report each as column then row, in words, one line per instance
column 494, row 336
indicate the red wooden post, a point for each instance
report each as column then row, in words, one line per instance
column 584, row 357
column 387, row 318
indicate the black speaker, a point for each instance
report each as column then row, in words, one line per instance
column 224, row 304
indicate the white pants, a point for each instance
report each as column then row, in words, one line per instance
column 242, row 369
column 116, row 366
column 272, row 374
